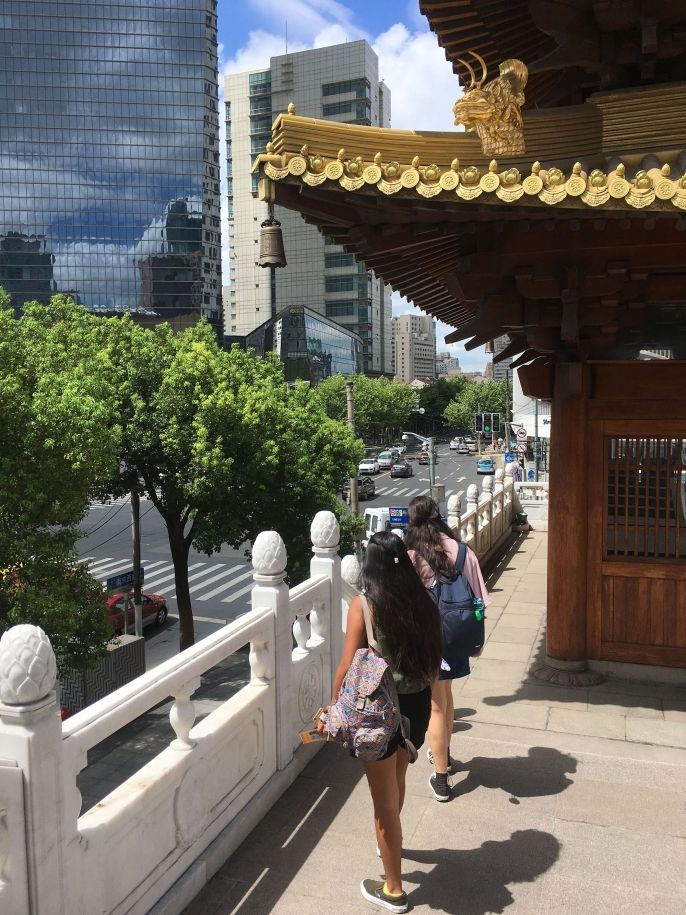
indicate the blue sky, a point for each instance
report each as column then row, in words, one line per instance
column 423, row 86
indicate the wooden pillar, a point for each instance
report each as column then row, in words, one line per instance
column 568, row 516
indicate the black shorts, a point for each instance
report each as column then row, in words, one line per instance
column 416, row 707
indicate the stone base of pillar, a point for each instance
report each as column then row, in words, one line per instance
column 566, row 673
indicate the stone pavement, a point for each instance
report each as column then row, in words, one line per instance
column 565, row 800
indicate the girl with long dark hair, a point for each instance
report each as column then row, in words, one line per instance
column 433, row 548
column 406, row 625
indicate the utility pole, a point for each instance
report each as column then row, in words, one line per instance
column 350, row 403
column 136, row 536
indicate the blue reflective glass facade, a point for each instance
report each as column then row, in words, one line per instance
column 109, row 155
column 310, row 347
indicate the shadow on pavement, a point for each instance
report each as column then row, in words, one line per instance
column 543, row 771
column 475, row 881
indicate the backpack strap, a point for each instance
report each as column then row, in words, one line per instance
column 461, row 557
column 371, row 641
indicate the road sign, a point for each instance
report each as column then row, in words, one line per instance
column 531, row 475
column 521, row 447
column 522, row 434
column 509, row 457
column 123, row 580
column 398, row 517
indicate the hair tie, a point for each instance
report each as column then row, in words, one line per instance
column 396, row 560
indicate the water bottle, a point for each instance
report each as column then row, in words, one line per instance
column 478, row 608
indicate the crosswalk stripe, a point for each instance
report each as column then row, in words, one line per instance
column 233, row 597
column 226, row 586
column 108, row 566
column 157, row 581
column 84, row 559
column 210, row 581
column 413, row 492
column 200, row 575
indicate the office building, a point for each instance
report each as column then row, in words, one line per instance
column 310, row 346
column 447, row 366
column 339, row 83
column 414, row 347
column 110, row 158
column 501, row 369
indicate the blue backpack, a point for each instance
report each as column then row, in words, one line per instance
column 462, row 614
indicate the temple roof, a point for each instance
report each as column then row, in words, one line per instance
column 576, row 247
column 571, row 49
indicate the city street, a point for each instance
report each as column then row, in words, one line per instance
column 220, row 584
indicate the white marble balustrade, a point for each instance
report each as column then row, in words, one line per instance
column 150, row 844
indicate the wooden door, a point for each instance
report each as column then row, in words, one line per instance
column 637, row 541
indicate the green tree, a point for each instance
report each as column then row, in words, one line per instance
column 476, row 396
column 382, row 407
column 434, row 398
column 222, row 446
column 58, row 436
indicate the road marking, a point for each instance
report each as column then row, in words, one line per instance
column 227, row 585
column 209, row 581
column 156, row 580
column 201, row 619
column 413, row 492
column 233, row 597
column 200, row 575
column 108, row 565
column 462, row 479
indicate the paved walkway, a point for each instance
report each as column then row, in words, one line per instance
column 570, row 801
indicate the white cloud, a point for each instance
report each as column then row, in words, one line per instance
column 308, row 18
column 422, row 83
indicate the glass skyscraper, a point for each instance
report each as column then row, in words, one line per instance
column 109, row 156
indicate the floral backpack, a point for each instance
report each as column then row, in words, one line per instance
column 365, row 715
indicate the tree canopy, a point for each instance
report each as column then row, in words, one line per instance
column 221, row 445
column 435, row 397
column 59, row 435
column 382, row 407
column 475, row 397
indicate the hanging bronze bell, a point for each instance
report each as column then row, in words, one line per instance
column 272, row 253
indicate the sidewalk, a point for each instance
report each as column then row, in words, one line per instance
column 565, row 800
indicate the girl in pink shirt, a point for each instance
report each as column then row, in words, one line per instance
column 433, row 547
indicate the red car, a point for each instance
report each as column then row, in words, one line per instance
column 401, row 470
column 154, row 610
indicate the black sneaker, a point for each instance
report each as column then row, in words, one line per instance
column 452, row 763
column 440, row 792
column 372, row 890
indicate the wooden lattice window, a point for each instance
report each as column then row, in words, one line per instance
column 645, row 498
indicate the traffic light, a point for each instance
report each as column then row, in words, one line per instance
column 496, row 422
column 478, row 422
column 488, row 424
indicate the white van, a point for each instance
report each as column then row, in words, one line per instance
column 376, row 519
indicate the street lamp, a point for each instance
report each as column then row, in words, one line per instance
column 428, row 443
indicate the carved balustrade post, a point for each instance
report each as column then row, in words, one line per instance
column 326, row 534
column 269, row 564
column 31, row 775
column 351, row 570
column 508, row 494
column 454, row 512
column 488, row 513
column 473, row 516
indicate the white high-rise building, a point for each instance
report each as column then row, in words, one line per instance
column 414, row 347
column 339, row 83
